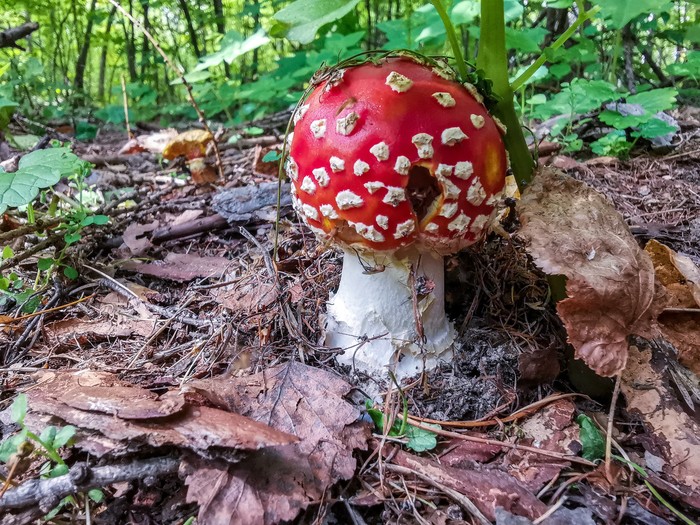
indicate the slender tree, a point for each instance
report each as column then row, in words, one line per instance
column 84, row 50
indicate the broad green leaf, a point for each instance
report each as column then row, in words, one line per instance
column 70, row 272
column 47, row 435
column 419, row 439
column 22, row 186
column 96, row 495
column 63, row 436
column 302, row 19
column 7, row 252
column 72, row 238
column 45, row 263
column 655, row 128
column 689, row 68
column 19, row 409
column 10, row 445
column 271, row 156
column 591, row 439
column 525, row 39
column 619, row 12
column 24, row 142
column 655, row 100
column 233, row 50
column 61, row 159
column 464, row 12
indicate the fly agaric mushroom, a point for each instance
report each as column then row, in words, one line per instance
column 400, row 165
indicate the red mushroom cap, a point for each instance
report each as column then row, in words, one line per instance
column 392, row 154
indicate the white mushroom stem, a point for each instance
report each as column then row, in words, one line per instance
column 373, row 319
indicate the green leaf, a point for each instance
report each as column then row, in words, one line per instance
column 63, row 436
column 302, row 19
column 592, row 439
column 655, row 100
column 45, row 263
column 614, row 143
column 72, row 238
column 70, row 272
column 253, row 131
column 655, row 128
column 7, row 253
column 99, row 220
column 7, row 108
column 19, row 409
column 419, row 439
column 47, row 436
column 60, row 159
column 525, row 39
column 96, row 495
column 9, row 446
column 272, row 156
column 24, row 142
column 619, row 12
column 58, row 471
column 233, row 49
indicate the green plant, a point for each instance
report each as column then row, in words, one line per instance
column 36, row 174
column 416, row 438
column 25, row 445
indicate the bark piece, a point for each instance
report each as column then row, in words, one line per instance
column 674, row 434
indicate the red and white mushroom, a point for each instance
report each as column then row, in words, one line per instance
column 399, row 165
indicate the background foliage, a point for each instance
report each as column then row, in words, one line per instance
column 73, row 65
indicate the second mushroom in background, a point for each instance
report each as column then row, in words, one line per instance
column 399, row 165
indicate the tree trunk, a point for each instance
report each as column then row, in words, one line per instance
column 221, row 28
column 103, row 56
column 190, row 28
column 145, row 44
column 130, row 44
column 256, row 25
column 84, row 50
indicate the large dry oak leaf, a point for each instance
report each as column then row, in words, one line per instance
column 573, row 231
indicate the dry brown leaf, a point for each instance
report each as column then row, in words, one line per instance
column 181, row 267
column 153, row 142
column 92, row 330
column 674, row 435
column 573, row 231
column 247, row 296
column 276, row 484
column 487, row 489
column 553, row 429
column 115, row 417
column 677, row 273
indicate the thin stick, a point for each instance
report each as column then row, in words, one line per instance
column 126, row 110
column 611, row 419
column 200, row 115
column 47, row 311
column 514, row 446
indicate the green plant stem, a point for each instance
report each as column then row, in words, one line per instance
column 582, row 17
column 493, row 61
column 452, row 37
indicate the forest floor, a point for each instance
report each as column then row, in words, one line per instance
column 181, row 322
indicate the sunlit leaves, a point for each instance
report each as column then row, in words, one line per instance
column 620, row 12
column 301, row 20
column 232, row 48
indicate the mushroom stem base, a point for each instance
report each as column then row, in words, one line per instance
column 375, row 315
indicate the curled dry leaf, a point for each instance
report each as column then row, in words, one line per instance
column 114, row 417
column 681, row 281
column 674, row 436
column 275, row 485
column 571, row 230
